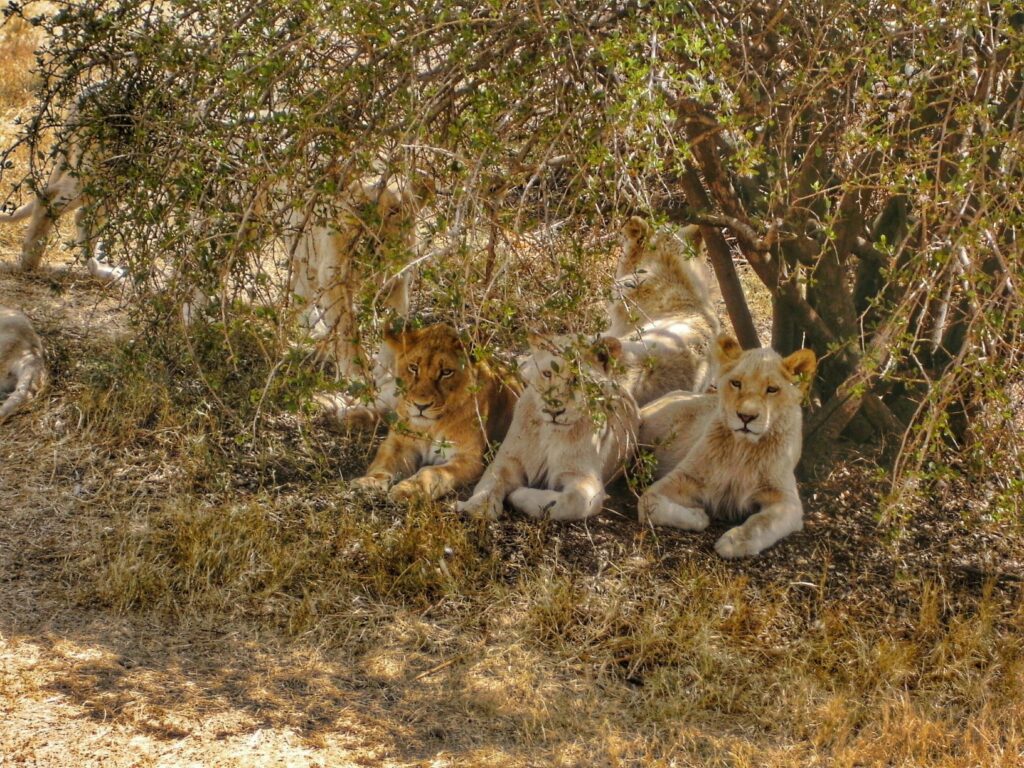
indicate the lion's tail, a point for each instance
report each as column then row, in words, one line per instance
column 21, row 213
column 31, row 381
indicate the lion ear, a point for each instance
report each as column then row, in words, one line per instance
column 636, row 228
column 727, row 350
column 691, row 234
column 607, row 350
column 634, row 233
column 398, row 336
column 424, row 187
column 800, row 367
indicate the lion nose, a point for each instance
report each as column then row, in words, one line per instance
column 423, row 407
column 746, row 418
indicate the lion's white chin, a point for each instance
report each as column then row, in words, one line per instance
column 746, row 434
column 422, row 419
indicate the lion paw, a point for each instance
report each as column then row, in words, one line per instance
column 734, row 543
column 370, row 484
column 485, row 505
column 408, row 490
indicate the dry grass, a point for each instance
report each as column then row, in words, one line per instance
column 180, row 588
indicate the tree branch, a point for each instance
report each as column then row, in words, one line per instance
column 721, row 260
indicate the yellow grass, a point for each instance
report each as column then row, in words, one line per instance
column 178, row 589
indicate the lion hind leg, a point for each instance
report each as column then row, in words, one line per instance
column 581, row 497
column 88, row 218
column 397, row 298
column 61, row 195
column 342, row 337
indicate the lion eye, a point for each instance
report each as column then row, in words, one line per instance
column 736, row 383
column 772, row 390
column 446, row 372
column 413, row 368
column 547, row 374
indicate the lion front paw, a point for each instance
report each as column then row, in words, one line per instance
column 485, row 505
column 735, row 543
column 655, row 509
column 408, row 490
column 370, row 484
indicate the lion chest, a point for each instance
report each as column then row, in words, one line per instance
column 729, row 495
column 437, row 450
column 556, row 452
column 733, row 476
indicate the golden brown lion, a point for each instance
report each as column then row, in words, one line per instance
column 449, row 408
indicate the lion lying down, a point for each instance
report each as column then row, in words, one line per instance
column 732, row 453
column 449, row 408
column 22, row 368
column 573, row 429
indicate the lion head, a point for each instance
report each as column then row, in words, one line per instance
column 434, row 371
column 386, row 208
column 570, row 379
column 758, row 388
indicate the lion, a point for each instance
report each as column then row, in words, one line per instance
column 22, row 367
column 362, row 237
column 368, row 237
column 662, row 311
column 367, row 242
column 449, row 408
column 573, row 430
column 365, row 237
column 62, row 194
column 732, row 454
column 97, row 129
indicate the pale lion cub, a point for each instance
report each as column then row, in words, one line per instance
column 22, row 368
column 573, row 429
column 368, row 240
column 732, row 453
column 661, row 309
